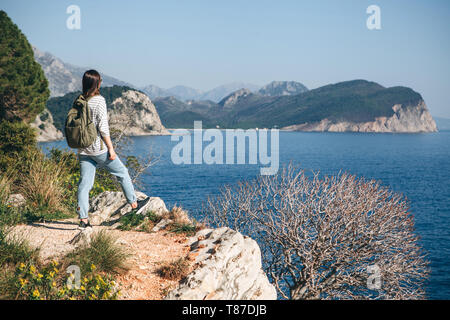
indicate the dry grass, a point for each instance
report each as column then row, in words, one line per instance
column 103, row 252
column 177, row 215
column 5, row 187
column 175, row 270
column 181, row 223
column 43, row 186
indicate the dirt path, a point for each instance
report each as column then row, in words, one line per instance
column 148, row 251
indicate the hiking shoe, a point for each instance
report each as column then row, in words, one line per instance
column 141, row 205
column 83, row 225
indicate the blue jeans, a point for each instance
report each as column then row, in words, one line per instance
column 88, row 166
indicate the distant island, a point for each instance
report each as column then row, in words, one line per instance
column 356, row 106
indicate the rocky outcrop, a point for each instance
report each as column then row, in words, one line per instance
column 135, row 114
column 46, row 131
column 16, row 200
column 282, row 88
column 228, row 268
column 408, row 119
column 227, row 265
column 109, row 206
column 234, row 97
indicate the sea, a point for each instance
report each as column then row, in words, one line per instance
column 416, row 165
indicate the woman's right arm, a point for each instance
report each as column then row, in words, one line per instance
column 104, row 129
column 109, row 145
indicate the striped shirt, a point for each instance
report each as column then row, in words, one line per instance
column 97, row 104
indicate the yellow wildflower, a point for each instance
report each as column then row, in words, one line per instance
column 22, row 266
column 93, row 267
column 23, row 282
column 36, row 293
column 32, row 269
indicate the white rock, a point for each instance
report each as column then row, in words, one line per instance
column 46, row 131
column 404, row 120
column 112, row 205
column 82, row 238
column 136, row 110
column 162, row 225
column 16, row 200
column 229, row 268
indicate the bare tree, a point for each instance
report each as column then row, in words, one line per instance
column 336, row 237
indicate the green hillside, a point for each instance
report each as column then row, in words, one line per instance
column 178, row 114
column 356, row 101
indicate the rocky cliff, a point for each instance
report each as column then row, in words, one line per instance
column 129, row 110
column 227, row 265
column 228, row 268
column 405, row 119
column 136, row 113
column 46, row 131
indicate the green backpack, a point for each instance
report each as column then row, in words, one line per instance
column 80, row 130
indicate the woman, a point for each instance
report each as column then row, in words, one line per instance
column 97, row 154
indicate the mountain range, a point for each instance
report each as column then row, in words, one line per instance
column 64, row 77
column 356, row 105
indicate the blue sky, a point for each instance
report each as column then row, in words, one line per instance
column 206, row 43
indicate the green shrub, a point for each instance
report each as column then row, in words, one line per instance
column 50, row 282
column 23, row 86
column 17, row 142
column 5, row 188
column 138, row 222
column 183, row 228
column 43, row 187
column 103, row 252
column 15, row 249
column 10, row 216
